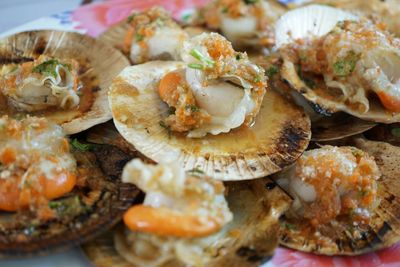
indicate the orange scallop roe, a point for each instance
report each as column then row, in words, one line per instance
column 174, row 91
column 32, row 173
column 344, row 179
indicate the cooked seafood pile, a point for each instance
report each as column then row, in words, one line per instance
column 197, row 125
column 43, row 83
column 37, row 165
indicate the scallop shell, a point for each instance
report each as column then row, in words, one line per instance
column 324, row 125
column 115, row 35
column 105, row 198
column 99, row 64
column 278, row 137
column 387, row 11
column 338, row 126
column 316, row 20
column 384, row 226
column 256, row 206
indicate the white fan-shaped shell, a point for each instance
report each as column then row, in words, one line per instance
column 312, row 20
column 279, row 135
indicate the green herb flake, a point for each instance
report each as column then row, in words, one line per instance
column 196, row 66
column 80, row 146
column 257, row 79
column 395, row 132
column 15, row 68
column 346, row 65
column 271, row 71
column 290, row 226
column 195, row 171
column 204, row 59
column 238, row 57
column 225, row 9
column 70, row 206
column 139, row 37
column 250, row 2
column 48, row 67
column 192, row 108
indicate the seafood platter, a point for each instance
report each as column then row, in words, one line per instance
column 205, row 141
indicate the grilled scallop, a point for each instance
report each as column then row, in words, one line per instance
column 206, row 234
column 209, row 111
column 244, row 23
column 341, row 62
column 55, row 192
column 345, row 200
column 58, row 75
column 148, row 35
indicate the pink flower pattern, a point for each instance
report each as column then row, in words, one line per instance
column 98, row 17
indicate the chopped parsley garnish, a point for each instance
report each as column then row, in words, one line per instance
column 49, row 67
column 70, row 206
column 238, row 57
column 257, row 79
column 225, row 9
column 192, row 108
column 80, row 146
column 346, row 65
column 138, row 37
column 271, row 71
column 290, row 226
column 395, row 132
column 204, row 59
column 195, row 171
column 196, row 66
column 15, row 68
column 250, row 2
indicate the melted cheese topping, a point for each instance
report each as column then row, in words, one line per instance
column 35, row 164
